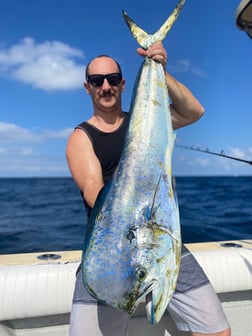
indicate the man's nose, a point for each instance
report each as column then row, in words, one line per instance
column 106, row 84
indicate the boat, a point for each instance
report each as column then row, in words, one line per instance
column 36, row 290
column 244, row 16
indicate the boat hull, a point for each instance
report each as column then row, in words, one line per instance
column 37, row 294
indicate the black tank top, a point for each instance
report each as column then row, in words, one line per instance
column 107, row 146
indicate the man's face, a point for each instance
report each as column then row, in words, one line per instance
column 106, row 95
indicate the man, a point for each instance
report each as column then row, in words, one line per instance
column 93, row 152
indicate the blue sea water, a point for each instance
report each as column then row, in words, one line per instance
column 47, row 214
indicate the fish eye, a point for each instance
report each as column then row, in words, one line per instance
column 130, row 235
column 141, row 273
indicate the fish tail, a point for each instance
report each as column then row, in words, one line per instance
column 145, row 39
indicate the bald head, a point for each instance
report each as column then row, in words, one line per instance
column 102, row 64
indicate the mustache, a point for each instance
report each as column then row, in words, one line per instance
column 107, row 93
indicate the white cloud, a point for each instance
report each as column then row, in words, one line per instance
column 50, row 66
column 24, row 152
column 198, row 162
column 33, row 165
column 60, row 134
column 27, row 151
column 236, row 152
column 195, row 163
column 203, row 162
column 3, row 150
column 184, row 65
column 11, row 133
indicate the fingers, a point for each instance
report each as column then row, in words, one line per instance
column 142, row 52
column 156, row 52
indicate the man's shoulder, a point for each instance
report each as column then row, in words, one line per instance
column 81, row 123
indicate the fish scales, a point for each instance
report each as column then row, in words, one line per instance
column 133, row 244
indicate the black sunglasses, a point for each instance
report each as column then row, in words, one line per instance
column 97, row 80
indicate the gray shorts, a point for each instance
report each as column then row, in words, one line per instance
column 194, row 306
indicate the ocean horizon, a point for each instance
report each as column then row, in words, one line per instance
column 41, row 214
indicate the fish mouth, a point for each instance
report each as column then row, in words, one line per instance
column 150, row 306
column 147, row 294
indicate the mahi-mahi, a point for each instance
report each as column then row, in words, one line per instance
column 133, row 243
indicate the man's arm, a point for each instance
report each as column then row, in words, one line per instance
column 185, row 108
column 84, row 165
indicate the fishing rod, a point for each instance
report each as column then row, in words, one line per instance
column 222, row 153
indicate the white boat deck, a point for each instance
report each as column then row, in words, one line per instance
column 35, row 294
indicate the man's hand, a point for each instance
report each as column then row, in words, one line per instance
column 156, row 52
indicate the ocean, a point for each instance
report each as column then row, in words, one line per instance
column 47, row 214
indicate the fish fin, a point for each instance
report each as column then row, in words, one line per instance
column 97, row 206
column 144, row 39
column 94, row 214
column 152, row 211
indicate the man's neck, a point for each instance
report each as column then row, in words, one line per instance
column 107, row 121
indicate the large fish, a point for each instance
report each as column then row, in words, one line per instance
column 133, row 240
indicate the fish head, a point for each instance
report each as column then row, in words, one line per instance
column 157, row 299
column 154, row 273
column 124, row 267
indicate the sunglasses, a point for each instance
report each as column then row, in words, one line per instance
column 97, row 80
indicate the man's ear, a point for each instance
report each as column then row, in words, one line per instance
column 122, row 85
column 87, row 87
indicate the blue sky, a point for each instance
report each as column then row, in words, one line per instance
column 45, row 45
